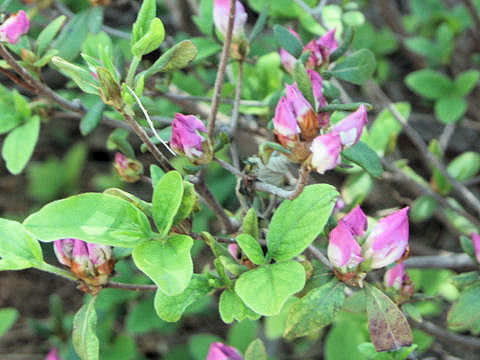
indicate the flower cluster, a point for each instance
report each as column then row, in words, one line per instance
column 14, row 27
column 300, row 128
column 187, row 138
column 90, row 263
column 385, row 243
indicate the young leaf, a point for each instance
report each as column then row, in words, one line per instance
column 315, row 310
column 250, row 223
column 449, row 109
column 8, row 316
column 92, row 217
column 356, row 68
column 231, row 307
column 466, row 82
column 303, row 81
column 296, row 223
column 175, row 58
column 288, row 41
column 388, row 327
column 84, row 339
column 71, row 39
column 18, row 250
column 365, row 157
column 189, row 200
column 265, row 289
column 462, row 315
column 168, row 263
column 145, row 16
column 19, row 145
column 48, row 33
column 151, row 40
column 85, row 81
column 259, row 25
column 429, row 83
column 92, row 118
column 251, row 247
column 167, row 197
column 464, row 166
column 171, row 308
column 256, row 351
column 422, row 208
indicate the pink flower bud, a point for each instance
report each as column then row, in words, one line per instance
column 388, row 240
column 351, row 127
column 343, row 250
column 221, row 10
column 186, row 138
column 303, row 111
column 121, row 160
column 356, row 220
column 129, row 170
column 328, row 42
column 219, row 351
column 81, row 264
column 14, row 27
column 53, row 355
column 325, row 152
column 287, row 59
column 285, row 122
column 320, row 101
column 476, row 245
column 233, row 250
column 63, row 250
column 394, row 276
column 321, row 49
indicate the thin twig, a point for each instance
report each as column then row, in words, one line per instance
column 131, row 287
column 231, row 169
column 253, row 103
column 236, row 104
column 476, row 18
column 285, row 194
column 447, row 336
column 427, row 157
column 319, row 255
column 451, row 261
column 217, row 92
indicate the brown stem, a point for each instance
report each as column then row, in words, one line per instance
column 217, row 92
column 447, row 336
column 286, row 194
column 476, row 18
column 236, row 104
column 319, row 255
column 451, row 261
column 131, row 287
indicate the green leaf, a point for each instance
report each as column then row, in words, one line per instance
column 464, row 166
column 84, row 339
column 250, row 223
column 92, row 118
column 231, row 307
column 70, row 41
column 429, row 83
column 388, row 327
column 251, row 247
column 256, row 351
column 296, row 223
column 151, row 40
column 365, row 157
column 315, row 310
column 189, row 201
column 18, row 250
column 303, row 81
column 177, row 57
column 8, row 316
column 156, row 174
column 166, row 200
column 92, row 217
column 84, row 80
column 422, row 208
column 463, row 314
column 356, row 68
column 466, row 82
column 167, row 262
column 344, row 337
column 145, row 16
column 259, row 25
column 171, row 308
column 19, row 145
column 450, row 109
column 48, row 33
column 288, row 41
column 265, row 289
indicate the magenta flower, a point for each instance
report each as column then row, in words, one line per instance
column 320, row 101
column 326, row 152
column 351, row 127
column 221, row 10
column 186, row 138
column 343, row 250
column 53, row 355
column 356, row 220
column 388, row 240
column 321, row 49
column 303, row 112
column 285, row 122
column 121, row 160
column 395, row 276
column 219, row 351
column 287, row 59
column 14, row 27
column 476, row 245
